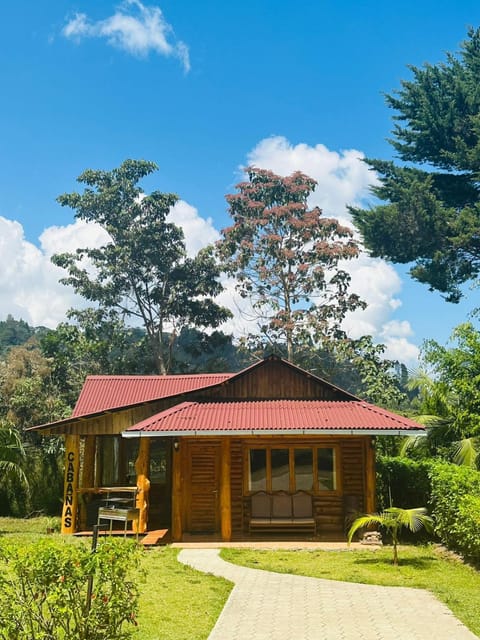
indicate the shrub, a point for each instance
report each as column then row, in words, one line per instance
column 456, row 507
column 469, row 526
column 43, row 590
column 402, row 482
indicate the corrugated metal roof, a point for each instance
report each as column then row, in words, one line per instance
column 103, row 393
column 277, row 416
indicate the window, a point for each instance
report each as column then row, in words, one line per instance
column 304, row 469
column 326, row 469
column 292, row 469
column 258, row 470
column 280, row 469
column 116, row 461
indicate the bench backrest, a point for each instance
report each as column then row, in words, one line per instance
column 302, row 505
column 261, row 505
column 281, row 505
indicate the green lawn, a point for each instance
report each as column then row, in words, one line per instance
column 179, row 603
column 455, row 584
column 176, row 603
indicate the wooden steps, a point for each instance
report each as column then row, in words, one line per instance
column 149, row 539
column 156, row 537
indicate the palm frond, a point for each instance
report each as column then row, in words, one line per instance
column 466, row 451
column 414, row 519
column 364, row 521
column 12, row 470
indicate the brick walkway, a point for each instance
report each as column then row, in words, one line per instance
column 270, row 606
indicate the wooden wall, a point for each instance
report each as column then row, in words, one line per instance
column 275, row 379
column 331, row 509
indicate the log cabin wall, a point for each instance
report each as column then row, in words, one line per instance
column 332, row 509
column 236, row 487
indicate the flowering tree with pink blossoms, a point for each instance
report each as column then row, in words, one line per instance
column 285, row 257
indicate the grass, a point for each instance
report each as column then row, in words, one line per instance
column 179, row 603
column 28, row 528
column 176, row 603
column 424, row 567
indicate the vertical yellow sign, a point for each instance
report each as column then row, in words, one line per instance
column 70, row 493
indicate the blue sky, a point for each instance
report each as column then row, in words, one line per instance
column 202, row 88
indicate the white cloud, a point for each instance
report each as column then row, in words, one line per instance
column 29, row 286
column 69, row 238
column 135, row 28
column 199, row 232
column 344, row 179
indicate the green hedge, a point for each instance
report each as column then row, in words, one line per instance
column 450, row 493
column 402, row 482
column 455, row 497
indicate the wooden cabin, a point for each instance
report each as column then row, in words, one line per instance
column 271, row 450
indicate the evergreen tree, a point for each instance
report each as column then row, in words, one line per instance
column 431, row 214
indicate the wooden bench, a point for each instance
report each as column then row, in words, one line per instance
column 280, row 512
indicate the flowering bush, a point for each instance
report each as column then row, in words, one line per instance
column 44, row 586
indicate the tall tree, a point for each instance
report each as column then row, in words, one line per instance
column 432, row 211
column 28, row 395
column 143, row 271
column 285, row 257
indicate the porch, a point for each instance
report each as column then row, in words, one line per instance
column 197, row 489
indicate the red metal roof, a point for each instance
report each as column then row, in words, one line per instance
column 277, row 416
column 103, row 393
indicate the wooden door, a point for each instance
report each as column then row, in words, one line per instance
column 203, row 487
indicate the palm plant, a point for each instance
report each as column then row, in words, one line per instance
column 12, row 455
column 448, row 423
column 394, row 519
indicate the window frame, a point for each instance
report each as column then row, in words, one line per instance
column 126, row 452
column 335, row 448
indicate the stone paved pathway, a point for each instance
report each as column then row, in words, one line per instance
column 270, row 606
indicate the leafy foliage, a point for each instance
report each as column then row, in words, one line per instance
column 43, row 591
column 402, row 481
column 449, row 399
column 456, row 507
column 12, row 455
column 469, row 526
column 432, row 210
column 142, row 271
column 13, row 333
column 285, row 257
column 199, row 352
column 27, row 393
column 29, row 396
column 394, row 519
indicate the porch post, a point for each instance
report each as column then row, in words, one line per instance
column 70, row 494
column 370, row 475
column 88, row 476
column 177, row 507
column 225, row 492
column 142, row 465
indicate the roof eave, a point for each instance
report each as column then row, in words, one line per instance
column 278, row 432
